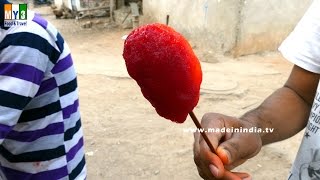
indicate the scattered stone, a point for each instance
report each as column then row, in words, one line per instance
column 58, row 13
column 90, row 153
column 63, row 12
column 98, row 22
column 110, row 25
column 87, row 24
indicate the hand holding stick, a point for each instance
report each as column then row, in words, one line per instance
column 204, row 135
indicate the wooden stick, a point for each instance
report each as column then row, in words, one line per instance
column 201, row 130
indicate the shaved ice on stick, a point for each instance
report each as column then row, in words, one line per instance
column 168, row 72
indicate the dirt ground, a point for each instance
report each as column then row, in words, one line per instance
column 124, row 137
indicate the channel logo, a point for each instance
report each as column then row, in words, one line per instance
column 15, row 15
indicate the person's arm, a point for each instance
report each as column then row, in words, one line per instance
column 287, row 109
column 22, row 68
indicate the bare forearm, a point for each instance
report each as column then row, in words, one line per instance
column 284, row 110
column 287, row 109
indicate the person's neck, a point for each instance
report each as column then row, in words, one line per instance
column 2, row 2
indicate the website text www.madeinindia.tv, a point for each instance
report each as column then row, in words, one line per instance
column 229, row 130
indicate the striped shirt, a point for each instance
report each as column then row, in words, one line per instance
column 40, row 128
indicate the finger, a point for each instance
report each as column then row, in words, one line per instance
column 201, row 174
column 202, row 162
column 216, row 168
column 210, row 161
column 235, row 176
column 234, row 164
column 237, row 147
column 196, row 147
column 212, row 120
column 242, row 175
column 231, row 176
column 196, row 150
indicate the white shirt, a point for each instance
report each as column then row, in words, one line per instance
column 302, row 47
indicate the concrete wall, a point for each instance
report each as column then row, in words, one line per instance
column 238, row 27
column 265, row 23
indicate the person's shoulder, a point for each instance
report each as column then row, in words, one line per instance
column 302, row 46
column 35, row 26
column 38, row 34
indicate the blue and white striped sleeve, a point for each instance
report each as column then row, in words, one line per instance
column 22, row 67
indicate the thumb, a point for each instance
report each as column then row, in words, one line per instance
column 226, row 158
column 224, row 154
column 237, row 149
